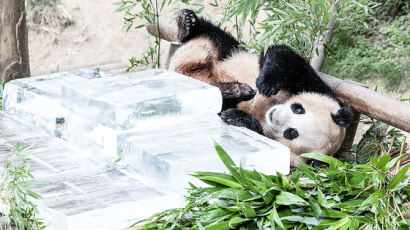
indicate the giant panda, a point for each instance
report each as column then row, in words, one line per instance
column 277, row 94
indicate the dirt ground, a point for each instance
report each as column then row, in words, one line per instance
column 96, row 38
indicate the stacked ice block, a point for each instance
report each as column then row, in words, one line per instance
column 160, row 123
column 79, row 190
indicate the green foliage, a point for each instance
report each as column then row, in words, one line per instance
column 387, row 9
column 380, row 139
column 148, row 58
column 15, row 193
column 32, row 3
column 139, row 13
column 379, row 51
column 298, row 24
column 340, row 196
column 371, row 143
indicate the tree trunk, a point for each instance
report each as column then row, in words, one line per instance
column 318, row 56
column 14, row 59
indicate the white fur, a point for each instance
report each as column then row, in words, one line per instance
column 317, row 131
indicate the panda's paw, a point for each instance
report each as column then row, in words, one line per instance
column 235, row 90
column 267, row 87
column 240, row 118
column 245, row 92
column 187, row 21
column 233, row 116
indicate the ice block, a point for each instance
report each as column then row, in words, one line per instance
column 37, row 100
column 170, row 152
column 126, row 100
column 79, row 190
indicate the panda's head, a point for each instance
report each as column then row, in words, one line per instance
column 308, row 122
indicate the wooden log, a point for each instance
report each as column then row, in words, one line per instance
column 167, row 30
column 14, row 59
column 383, row 108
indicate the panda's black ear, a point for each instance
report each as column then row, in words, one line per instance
column 344, row 117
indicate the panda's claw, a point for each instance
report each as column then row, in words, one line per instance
column 187, row 21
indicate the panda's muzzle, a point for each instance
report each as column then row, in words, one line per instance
column 271, row 113
column 269, row 116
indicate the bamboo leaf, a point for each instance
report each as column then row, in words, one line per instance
column 228, row 162
column 323, row 158
column 248, row 211
column 399, row 177
column 321, row 198
column 392, row 163
column 373, row 198
column 306, row 171
column 221, row 181
column 338, row 224
column 218, row 226
column 274, row 217
column 233, row 194
column 383, row 161
column 235, row 221
column 286, row 198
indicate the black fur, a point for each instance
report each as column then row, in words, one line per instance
column 241, row 118
column 344, row 117
column 187, row 30
column 233, row 93
column 315, row 163
column 284, row 69
column 290, row 133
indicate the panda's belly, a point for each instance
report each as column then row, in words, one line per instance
column 242, row 66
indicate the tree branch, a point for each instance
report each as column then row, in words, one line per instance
column 318, row 56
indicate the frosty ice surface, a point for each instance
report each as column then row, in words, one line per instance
column 79, row 190
column 171, row 151
column 121, row 102
column 37, row 100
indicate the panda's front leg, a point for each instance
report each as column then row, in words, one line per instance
column 241, row 118
column 270, row 79
column 233, row 93
column 283, row 68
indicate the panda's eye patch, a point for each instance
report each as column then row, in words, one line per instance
column 290, row 133
column 297, row 108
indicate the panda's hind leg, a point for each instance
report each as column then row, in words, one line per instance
column 190, row 27
column 196, row 58
column 187, row 22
